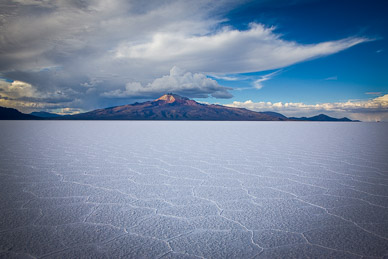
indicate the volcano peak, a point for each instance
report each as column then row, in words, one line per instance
column 171, row 98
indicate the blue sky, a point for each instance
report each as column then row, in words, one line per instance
column 350, row 74
column 300, row 57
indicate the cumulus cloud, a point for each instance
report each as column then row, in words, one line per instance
column 178, row 81
column 87, row 49
column 16, row 89
column 25, row 97
column 369, row 110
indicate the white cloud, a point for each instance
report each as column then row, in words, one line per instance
column 228, row 78
column 373, row 93
column 222, row 51
column 16, row 89
column 369, row 110
column 68, row 111
column 332, row 78
column 178, row 81
column 258, row 84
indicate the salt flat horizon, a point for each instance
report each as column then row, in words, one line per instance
column 189, row 189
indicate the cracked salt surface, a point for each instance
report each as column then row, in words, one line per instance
column 165, row 189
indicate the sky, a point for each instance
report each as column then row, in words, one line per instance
column 299, row 57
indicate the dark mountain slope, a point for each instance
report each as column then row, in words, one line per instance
column 45, row 114
column 13, row 114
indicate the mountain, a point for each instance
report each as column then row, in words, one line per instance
column 167, row 107
column 173, row 107
column 276, row 114
column 320, row 117
column 13, row 114
column 42, row 114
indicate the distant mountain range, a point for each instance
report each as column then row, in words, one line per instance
column 320, row 117
column 167, row 107
column 42, row 114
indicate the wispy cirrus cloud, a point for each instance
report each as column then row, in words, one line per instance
column 332, row 78
column 258, row 83
column 221, row 51
column 373, row 93
column 228, row 77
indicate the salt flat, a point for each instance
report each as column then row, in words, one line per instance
column 165, row 189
